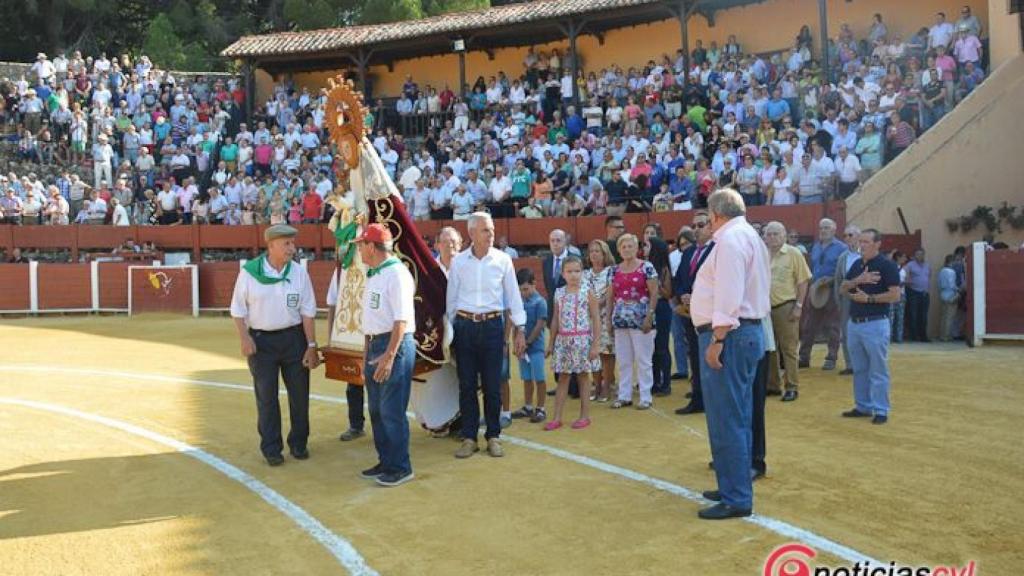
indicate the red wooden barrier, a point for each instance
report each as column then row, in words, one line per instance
column 320, row 272
column 15, row 292
column 167, row 236
column 228, row 236
column 43, row 236
column 519, row 231
column 103, row 237
column 1004, row 307
column 906, row 243
column 65, row 286
column 537, row 265
column 113, row 285
column 216, row 284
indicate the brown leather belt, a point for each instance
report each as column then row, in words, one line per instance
column 481, row 317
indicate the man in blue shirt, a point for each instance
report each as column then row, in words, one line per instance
column 873, row 284
column 680, row 186
column 825, row 316
column 573, row 124
column 949, row 294
column 777, row 108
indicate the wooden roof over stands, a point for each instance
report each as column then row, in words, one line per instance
column 486, row 29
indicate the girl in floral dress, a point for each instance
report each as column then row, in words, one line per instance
column 575, row 327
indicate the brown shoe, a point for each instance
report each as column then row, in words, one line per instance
column 494, row 448
column 467, row 449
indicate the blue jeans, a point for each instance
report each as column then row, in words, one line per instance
column 869, row 351
column 728, row 404
column 479, row 350
column 679, row 345
column 387, row 402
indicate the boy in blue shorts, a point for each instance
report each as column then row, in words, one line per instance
column 531, row 364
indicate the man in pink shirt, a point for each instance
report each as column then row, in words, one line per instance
column 730, row 299
column 967, row 48
column 947, row 65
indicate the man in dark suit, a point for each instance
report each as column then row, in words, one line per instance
column 553, row 266
column 682, row 284
column 552, row 281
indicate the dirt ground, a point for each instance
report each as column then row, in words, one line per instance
column 940, row 484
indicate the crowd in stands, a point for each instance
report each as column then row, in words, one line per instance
column 652, row 138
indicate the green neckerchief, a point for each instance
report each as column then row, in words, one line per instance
column 255, row 268
column 377, row 269
column 343, row 237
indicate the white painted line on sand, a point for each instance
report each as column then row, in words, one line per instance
column 339, row 547
column 782, row 528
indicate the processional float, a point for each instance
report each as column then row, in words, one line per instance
column 374, row 198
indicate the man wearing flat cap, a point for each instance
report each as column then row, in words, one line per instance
column 273, row 307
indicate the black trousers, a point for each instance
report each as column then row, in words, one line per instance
column 479, row 350
column 354, row 397
column 280, row 353
column 757, row 416
column 693, row 352
column 661, row 360
column 917, row 315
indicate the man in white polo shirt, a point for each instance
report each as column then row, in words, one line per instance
column 389, row 320
column 273, row 307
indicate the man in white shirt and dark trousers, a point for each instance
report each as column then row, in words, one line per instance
column 273, row 307
column 389, row 320
column 730, row 298
column 481, row 285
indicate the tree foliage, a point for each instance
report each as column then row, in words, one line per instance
column 185, row 33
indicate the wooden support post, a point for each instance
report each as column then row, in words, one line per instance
column 461, row 91
column 250, row 86
column 823, row 23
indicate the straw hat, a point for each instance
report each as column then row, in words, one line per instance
column 821, row 292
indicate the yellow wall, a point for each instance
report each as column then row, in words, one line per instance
column 763, row 27
column 1005, row 38
column 970, row 158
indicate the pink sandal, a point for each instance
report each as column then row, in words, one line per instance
column 581, row 423
column 553, row 425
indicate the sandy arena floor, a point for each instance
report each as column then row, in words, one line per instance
column 94, row 480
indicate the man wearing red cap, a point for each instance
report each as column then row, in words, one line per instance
column 389, row 320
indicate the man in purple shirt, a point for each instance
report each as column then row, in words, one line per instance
column 919, row 277
column 824, row 255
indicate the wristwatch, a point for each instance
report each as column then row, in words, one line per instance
column 311, row 345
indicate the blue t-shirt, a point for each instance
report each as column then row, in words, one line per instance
column 536, row 311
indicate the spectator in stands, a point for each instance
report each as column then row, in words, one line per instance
column 11, row 207
column 941, row 33
column 969, row 22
